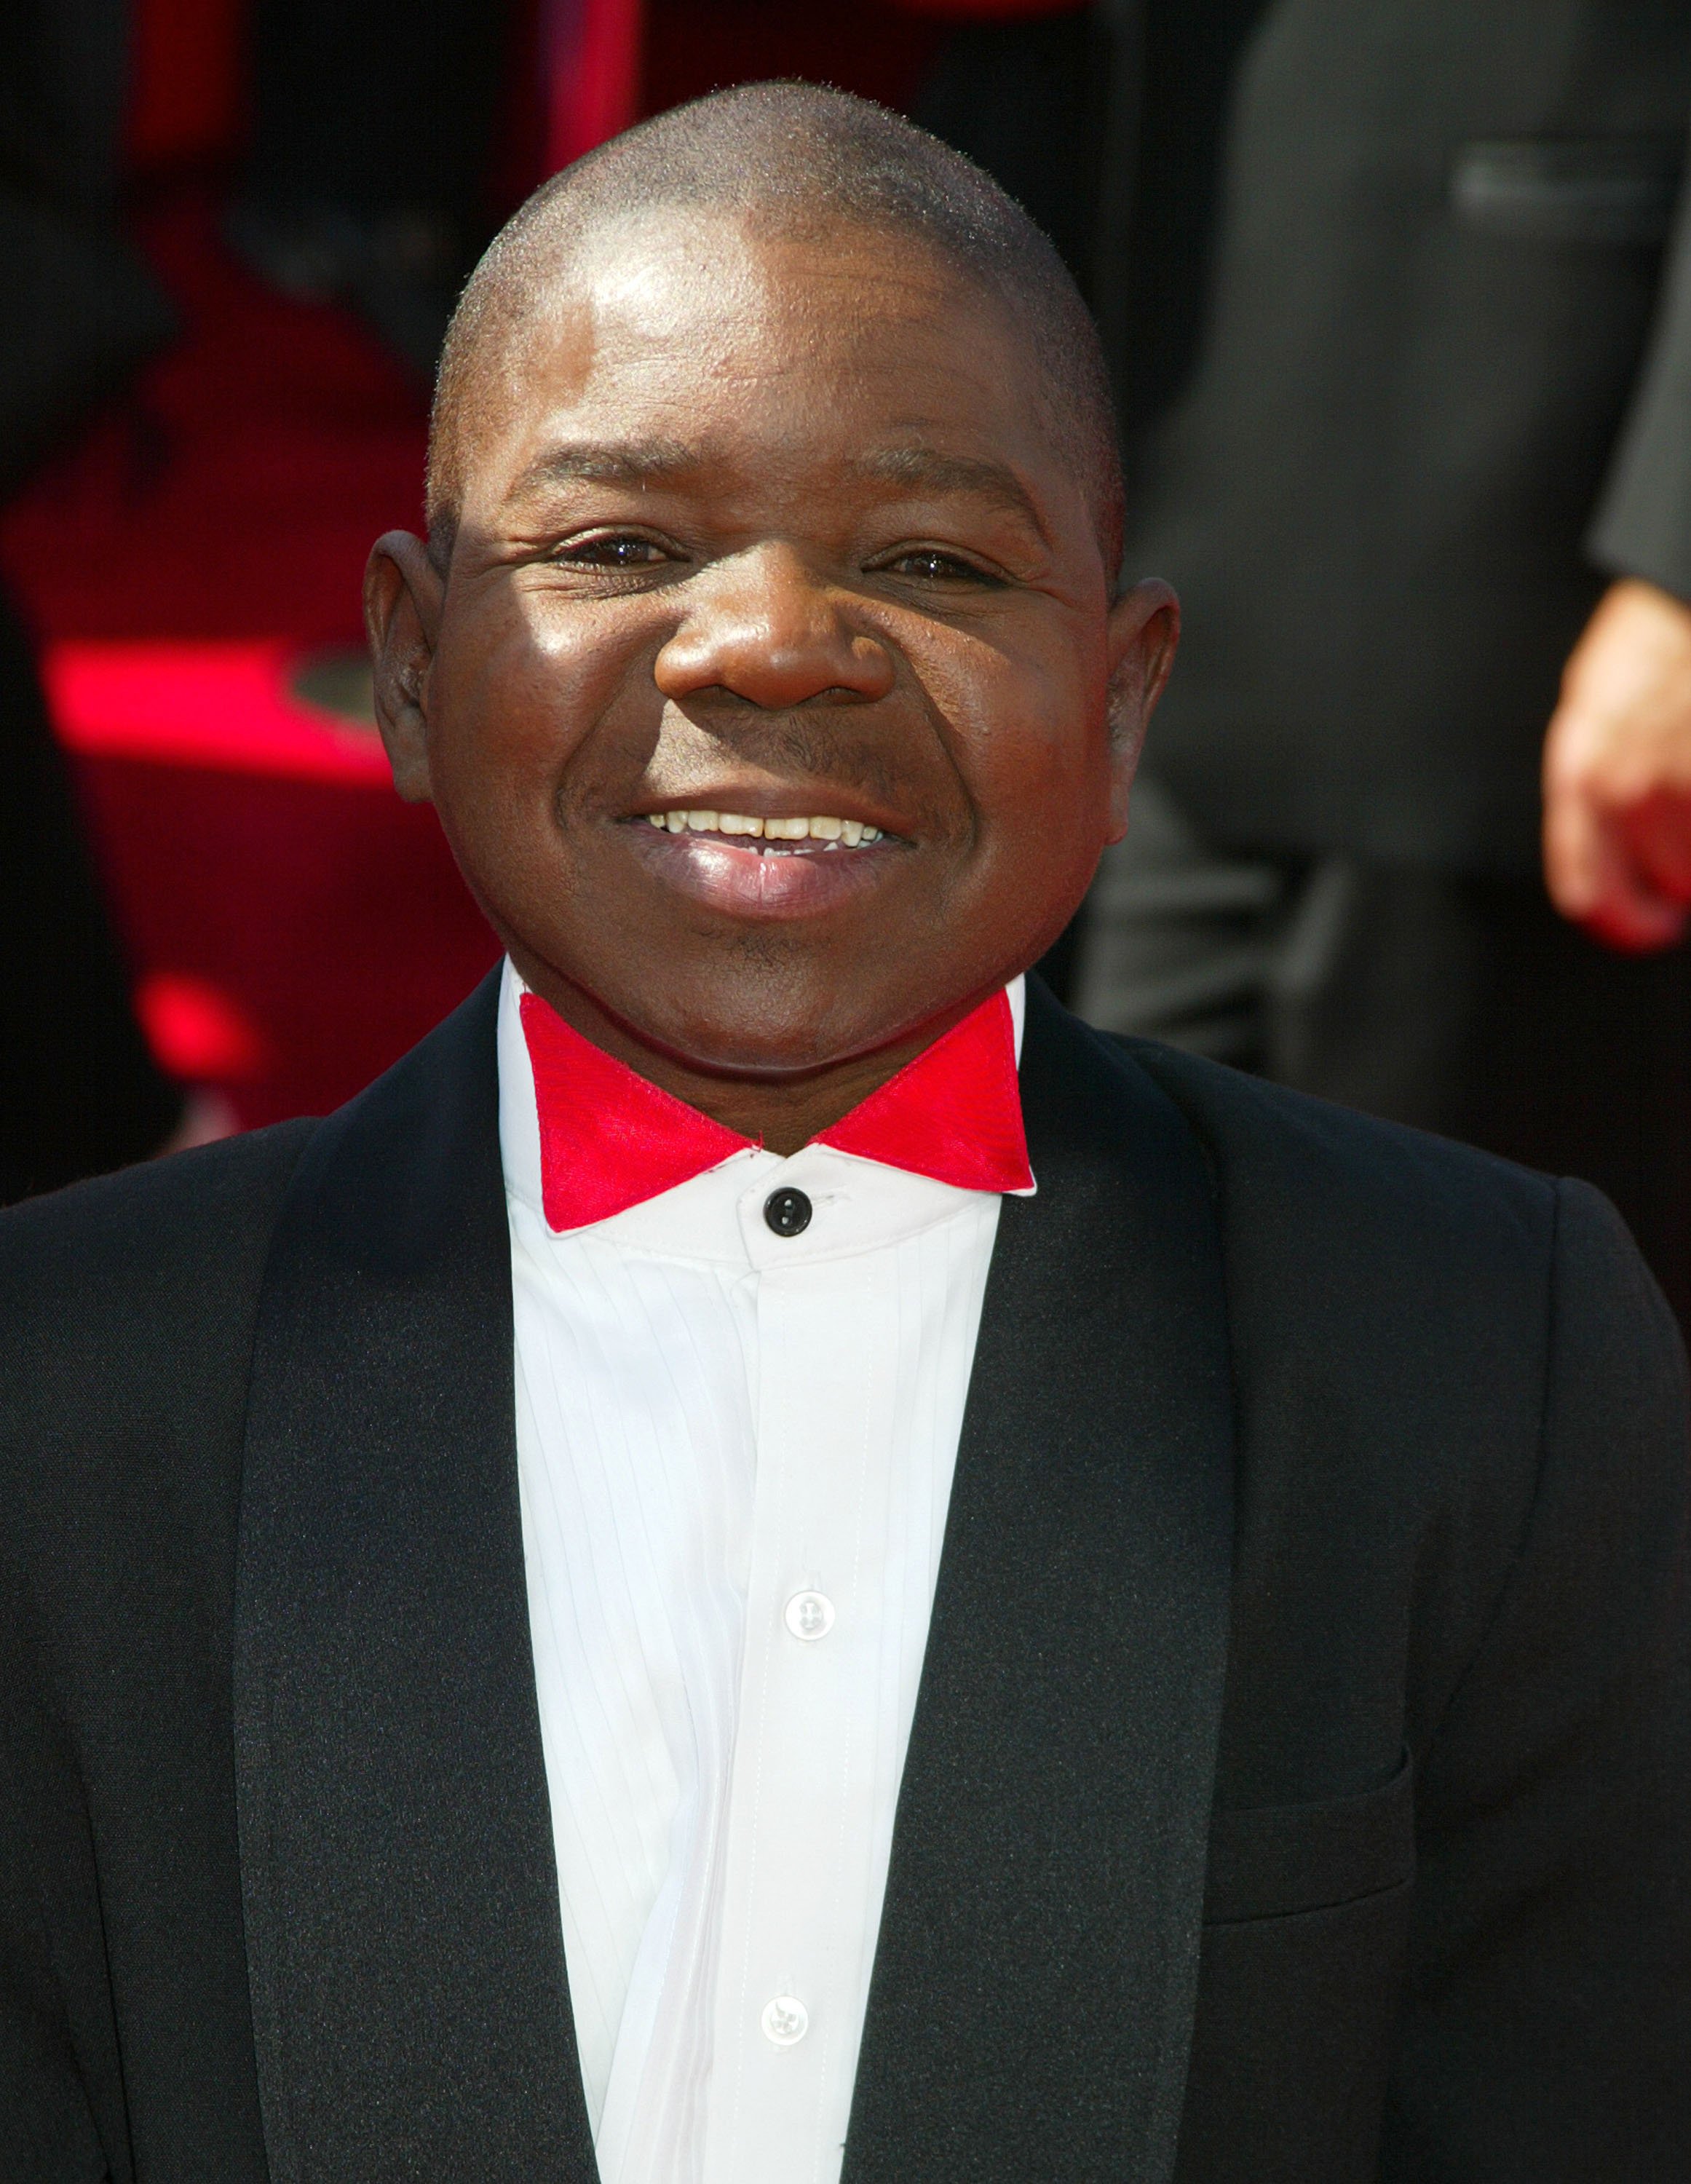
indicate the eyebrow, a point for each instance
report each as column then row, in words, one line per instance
column 656, row 461
column 938, row 472
column 622, row 462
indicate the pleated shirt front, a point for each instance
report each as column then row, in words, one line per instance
column 735, row 1450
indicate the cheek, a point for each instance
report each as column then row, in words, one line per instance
column 517, row 692
column 1029, row 730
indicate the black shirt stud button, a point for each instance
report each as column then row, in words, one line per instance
column 788, row 1213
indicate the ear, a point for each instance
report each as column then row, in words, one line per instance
column 1144, row 630
column 403, row 594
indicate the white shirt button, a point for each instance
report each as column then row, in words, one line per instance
column 810, row 1615
column 785, row 2020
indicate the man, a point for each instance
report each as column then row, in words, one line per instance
column 484, row 1698
column 1404, row 318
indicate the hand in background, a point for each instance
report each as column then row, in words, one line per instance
column 207, row 1119
column 1617, row 773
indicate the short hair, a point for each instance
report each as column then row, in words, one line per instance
column 801, row 152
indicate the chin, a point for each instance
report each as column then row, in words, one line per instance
column 759, row 1027
column 781, row 1048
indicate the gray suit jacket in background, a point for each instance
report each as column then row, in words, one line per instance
column 1437, row 386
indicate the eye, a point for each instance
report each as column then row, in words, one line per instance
column 615, row 550
column 928, row 564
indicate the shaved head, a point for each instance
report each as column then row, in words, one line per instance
column 796, row 158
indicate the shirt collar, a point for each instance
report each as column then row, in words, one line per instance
column 954, row 1113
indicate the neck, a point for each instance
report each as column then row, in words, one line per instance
column 784, row 1112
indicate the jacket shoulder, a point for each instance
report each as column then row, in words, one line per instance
column 191, row 1203
column 137, row 1287
column 1459, row 1398
column 1432, row 1290
column 1349, row 1183
column 1381, row 1270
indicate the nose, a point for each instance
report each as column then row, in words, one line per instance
column 762, row 626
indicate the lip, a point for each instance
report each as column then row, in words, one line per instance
column 716, row 872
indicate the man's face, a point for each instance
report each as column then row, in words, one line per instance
column 758, row 529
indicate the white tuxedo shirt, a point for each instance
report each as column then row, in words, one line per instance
column 735, row 1450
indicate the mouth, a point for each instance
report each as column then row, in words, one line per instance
column 765, row 865
column 776, row 836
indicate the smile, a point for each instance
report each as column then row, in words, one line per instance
column 757, row 866
column 774, row 837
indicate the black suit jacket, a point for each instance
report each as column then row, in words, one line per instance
column 1299, row 1783
column 1419, row 264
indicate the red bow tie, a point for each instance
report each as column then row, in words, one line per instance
column 609, row 1139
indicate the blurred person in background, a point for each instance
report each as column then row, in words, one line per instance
column 366, row 177
column 79, row 1091
column 1405, row 293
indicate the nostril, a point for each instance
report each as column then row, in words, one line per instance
column 745, row 664
column 765, row 627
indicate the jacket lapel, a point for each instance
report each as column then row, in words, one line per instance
column 410, row 2009
column 1031, row 2010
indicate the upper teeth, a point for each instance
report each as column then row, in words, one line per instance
column 824, row 828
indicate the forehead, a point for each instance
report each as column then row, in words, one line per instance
column 776, row 345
